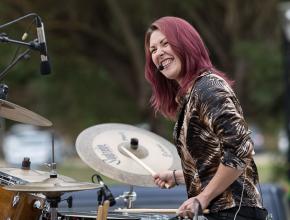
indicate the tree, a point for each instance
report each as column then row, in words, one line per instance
column 96, row 48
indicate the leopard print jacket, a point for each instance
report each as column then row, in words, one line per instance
column 211, row 130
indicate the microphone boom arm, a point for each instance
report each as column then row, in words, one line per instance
column 34, row 45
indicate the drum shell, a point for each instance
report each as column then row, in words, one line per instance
column 23, row 209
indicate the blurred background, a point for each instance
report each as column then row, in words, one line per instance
column 97, row 56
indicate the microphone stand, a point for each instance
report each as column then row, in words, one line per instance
column 20, row 57
column 38, row 44
column 34, row 45
column 104, row 193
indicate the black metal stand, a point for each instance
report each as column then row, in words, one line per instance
column 34, row 45
column 286, row 47
column 53, row 204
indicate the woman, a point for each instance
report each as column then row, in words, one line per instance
column 211, row 135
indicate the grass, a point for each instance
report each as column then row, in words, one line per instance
column 78, row 170
column 271, row 168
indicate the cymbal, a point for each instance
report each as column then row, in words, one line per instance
column 100, row 147
column 14, row 112
column 16, row 175
column 52, row 187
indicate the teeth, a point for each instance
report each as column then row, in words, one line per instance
column 166, row 62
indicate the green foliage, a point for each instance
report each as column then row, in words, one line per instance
column 97, row 58
column 274, row 172
column 264, row 84
column 80, row 94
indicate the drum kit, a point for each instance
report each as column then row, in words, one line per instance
column 122, row 152
column 119, row 151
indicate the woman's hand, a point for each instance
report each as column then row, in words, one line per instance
column 190, row 206
column 162, row 178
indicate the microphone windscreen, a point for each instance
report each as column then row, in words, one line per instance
column 45, row 68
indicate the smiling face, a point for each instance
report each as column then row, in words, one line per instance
column 163, row 55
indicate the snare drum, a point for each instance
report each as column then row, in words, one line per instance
column 18, row 205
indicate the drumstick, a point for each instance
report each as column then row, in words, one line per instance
column 141, row 163
column 100, row 213
column 105, row 209
column 168, row 211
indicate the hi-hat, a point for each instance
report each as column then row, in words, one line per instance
column 101, row 146
column 13, row 176
column 14, row 112
column 52, row 187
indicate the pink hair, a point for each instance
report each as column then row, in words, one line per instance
column 189, row 47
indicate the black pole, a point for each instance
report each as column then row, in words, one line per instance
column 286, row 48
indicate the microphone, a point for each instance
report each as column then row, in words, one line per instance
column 45, row 68
column 108, row 195
column 160, row 67
column 105, row 191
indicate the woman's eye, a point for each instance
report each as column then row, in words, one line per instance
column 165, row 43
column 152, row 51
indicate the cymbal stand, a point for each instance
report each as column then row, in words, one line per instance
column 53, row 205
column 3, row 96
column 52, row 165
column 128, row 197
column 53, row 200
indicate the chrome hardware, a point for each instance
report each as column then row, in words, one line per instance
column 16, row 200
column 37, row 204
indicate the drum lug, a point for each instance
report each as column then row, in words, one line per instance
column 37, row 204
column 16, row 199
